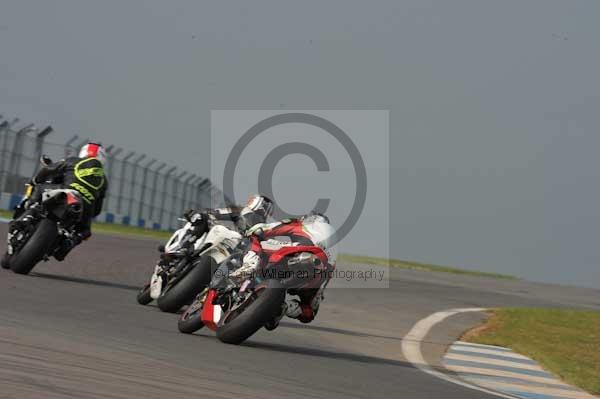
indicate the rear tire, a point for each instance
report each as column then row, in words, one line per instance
column 264, row 309
column 143, row 296
column 189, row 286
column 38, row 245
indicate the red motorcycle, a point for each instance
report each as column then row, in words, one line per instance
column 236, row 308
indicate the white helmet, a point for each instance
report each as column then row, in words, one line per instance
column 93, row 150
column 315, row 217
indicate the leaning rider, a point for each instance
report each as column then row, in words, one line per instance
column 257, row 211
column 84, row 174
column 306, row 307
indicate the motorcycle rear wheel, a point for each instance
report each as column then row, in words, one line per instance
column 34, row 250
column 258, row 313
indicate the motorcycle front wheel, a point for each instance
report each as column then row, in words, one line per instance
column 191, row 321
column 4, row 262
column 185, row 290
column 34, row 250
column 143, row 296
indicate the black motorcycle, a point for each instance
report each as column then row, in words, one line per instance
column 41, row 230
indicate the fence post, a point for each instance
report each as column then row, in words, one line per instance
column 186, row 189
column 143, row 192
column 122, row 181
column 202, row 188
column 154, row 192
column 164, row 194
column 5, row 168
column 136, row 164
column 112, row 155
column 4, row 128
column 39, row 143
column 69, row 143
column 196, row 193
column 176, row 199
column 16, row 156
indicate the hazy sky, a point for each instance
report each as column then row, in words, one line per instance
column 494, row 105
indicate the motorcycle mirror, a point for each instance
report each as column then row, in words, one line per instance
column 161, row 248
column 45, row 160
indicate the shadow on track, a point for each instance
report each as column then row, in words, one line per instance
column 85, row 281
column 335, row 331
column 327, row 354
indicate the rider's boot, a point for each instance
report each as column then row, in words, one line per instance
column 304, row 310
column 63, row 249
column 67, row 246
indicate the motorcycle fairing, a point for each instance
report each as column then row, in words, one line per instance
column 211, row 314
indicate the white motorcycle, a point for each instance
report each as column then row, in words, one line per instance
column 186, row 265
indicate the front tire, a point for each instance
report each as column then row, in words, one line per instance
column 191, row 320
column 263, row 310
column 189, row 286
column 143, row 296
column 4, row 262
column 34, row 250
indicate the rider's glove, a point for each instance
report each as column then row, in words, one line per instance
column 197, row 218
column 194, row 216
column 45, row 160
column 187, row 215
column 249, row 265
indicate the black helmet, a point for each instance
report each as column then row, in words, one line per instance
column 257, row 210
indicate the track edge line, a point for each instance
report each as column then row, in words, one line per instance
column 411, row 349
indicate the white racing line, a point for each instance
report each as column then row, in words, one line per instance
column 4, row 220
column 411, row 349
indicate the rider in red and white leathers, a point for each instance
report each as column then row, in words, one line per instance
column 310, row 230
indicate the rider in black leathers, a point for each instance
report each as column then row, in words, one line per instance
column 85, row 174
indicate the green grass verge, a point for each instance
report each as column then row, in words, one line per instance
column 565, row 342
column 130, row 231
column 419, row 266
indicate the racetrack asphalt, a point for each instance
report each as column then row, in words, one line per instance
column 74, row 330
